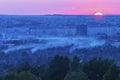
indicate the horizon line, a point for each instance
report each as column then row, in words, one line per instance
column 51, row 14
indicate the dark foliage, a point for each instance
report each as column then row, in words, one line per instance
column 57, row 68
column 96, row 68
column 75, row 64
column 66, row 68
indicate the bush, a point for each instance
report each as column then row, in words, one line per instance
column 112, row 73
column 76, row 76
column 1, row 77
column 11, row 76
column 118, row 77
column 96, row 68
column 26, row 76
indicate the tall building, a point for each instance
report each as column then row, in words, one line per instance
column 81, row 30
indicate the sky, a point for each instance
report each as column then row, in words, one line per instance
column 37, row 7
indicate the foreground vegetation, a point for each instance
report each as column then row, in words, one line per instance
column 66, row 68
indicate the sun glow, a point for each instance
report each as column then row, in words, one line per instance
column 98, row 14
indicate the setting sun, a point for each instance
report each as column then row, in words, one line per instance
column 98, row 13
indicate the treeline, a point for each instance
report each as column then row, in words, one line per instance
column 40, row 57
column 66, row 68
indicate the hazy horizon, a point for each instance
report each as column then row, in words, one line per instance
column 59, row 14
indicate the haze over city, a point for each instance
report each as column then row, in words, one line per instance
column 33, row 7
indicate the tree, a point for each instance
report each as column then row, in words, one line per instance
column 39, row 70
column 75, row 64
column 112, row 73
column 76, row 76
column 118, row 77
column 25, row 67
column 1, row 77
column 57, row 68
column 11, row 76
column 26, row 76
column 96, row 68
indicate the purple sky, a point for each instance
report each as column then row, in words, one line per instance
column 59, row 6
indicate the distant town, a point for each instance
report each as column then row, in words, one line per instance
column 51, row 26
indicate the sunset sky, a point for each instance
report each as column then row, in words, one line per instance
column 36, row 7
